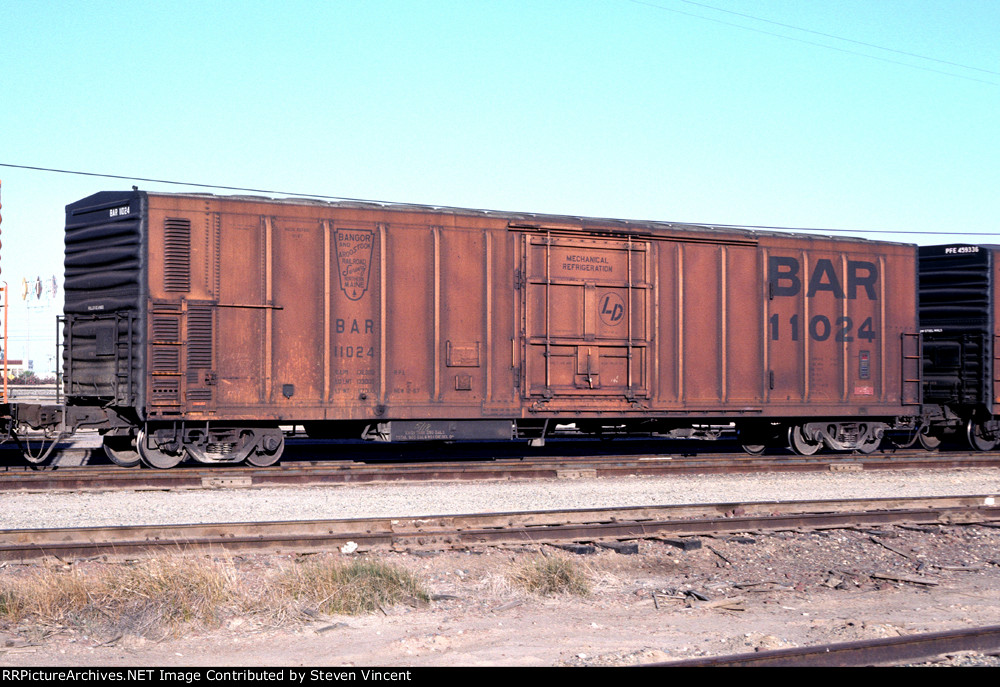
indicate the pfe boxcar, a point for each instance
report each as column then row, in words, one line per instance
column 959, row 295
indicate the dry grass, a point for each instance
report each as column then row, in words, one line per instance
column 159, row 597
column 498, row 585
column 150, row 598
column 361, row 586
column 552, row 575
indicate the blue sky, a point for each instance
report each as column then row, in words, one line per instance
column 668, row 109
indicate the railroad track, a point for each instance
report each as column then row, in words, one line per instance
column 461, row 531
column 875, row 652
column 464, row 467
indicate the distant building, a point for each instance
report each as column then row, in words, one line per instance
column 15, row 367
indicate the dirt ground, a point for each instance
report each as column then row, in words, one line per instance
column 665, row 602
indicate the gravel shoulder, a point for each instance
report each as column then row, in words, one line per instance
column 26, row 510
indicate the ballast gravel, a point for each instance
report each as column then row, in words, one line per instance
column 25, row 510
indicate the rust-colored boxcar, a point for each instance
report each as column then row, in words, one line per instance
column 200, row 323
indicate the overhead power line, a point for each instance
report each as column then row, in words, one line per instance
column 841, row 38
column 451, row 207
column 654, row 5
column 182, row 183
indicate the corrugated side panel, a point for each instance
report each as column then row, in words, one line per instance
column 956, row 295
column 103, row 356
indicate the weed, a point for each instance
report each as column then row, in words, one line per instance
column 150, row 598
column 361, row 586
column 11, row 605
column 158, row 597
column 554, row 575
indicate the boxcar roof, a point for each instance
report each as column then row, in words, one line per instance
column 526, row 220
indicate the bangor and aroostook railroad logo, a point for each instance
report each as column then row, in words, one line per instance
column 354, row 256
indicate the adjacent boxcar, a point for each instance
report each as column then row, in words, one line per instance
column 959, row 295
column 196, row 325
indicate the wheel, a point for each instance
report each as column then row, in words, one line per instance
column 799, row 444
column 930, row 442
column 870, row 446
column 269, row 450
column 155, row 457
column 120, row 450
column 978, row 437
column 753, row 440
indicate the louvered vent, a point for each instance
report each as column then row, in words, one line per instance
column 177, row 255
column 166, row 359
column 166, row 391
column 199, row 338
column 166, row 328
column 199, row 353
column 165, row 355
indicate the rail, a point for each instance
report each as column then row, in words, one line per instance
column 40, row 393
column 80, row 465
column 439, row 532
column 875, row 652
